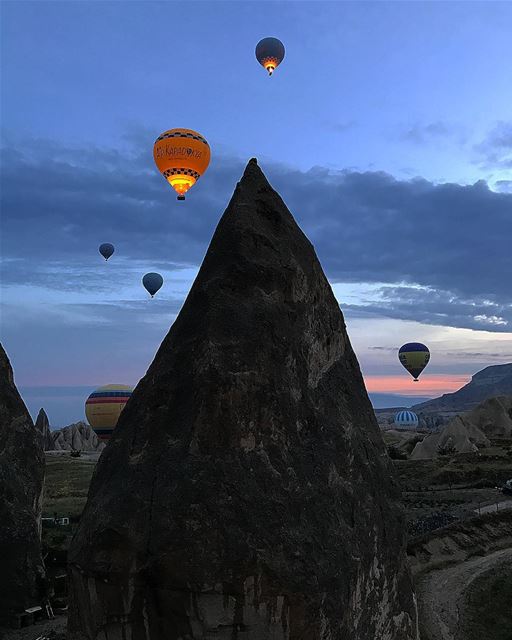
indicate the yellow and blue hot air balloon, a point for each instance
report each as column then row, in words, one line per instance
column 104, row 406
column 414, row 356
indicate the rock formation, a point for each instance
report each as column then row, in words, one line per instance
column 21, row 486
column 493, row 417
column 246, row 491
column 463, row 437
column 76, row 436
column 42, row 424
column 470, row 431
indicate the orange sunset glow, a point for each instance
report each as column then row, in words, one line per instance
column 428, row 384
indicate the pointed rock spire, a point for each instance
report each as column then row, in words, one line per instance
column 21, row 487
column 42, row 424
column 246, row 492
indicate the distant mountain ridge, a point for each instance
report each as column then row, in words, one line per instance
column 492, row 381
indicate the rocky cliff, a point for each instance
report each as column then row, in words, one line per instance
column 490, row 382
column 21, row 486
column 246, row 492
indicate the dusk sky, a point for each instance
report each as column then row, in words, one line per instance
column 387, row 130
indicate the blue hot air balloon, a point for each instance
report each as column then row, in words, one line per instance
column 106, row 249
column 152, row 282
column 270, row 53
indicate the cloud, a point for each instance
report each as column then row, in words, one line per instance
column 495, row 151
column 433, row 131
column 447, row 246
column 438, row 307
column 341, row 126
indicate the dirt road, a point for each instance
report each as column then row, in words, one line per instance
column 491, row 508
column 441, row 594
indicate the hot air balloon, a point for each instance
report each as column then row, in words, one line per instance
column 406, row 420
column 152, row 282
column 182, row 156
column 270, row 53
column 414, row 356
column 104, row 406
column 106, row 249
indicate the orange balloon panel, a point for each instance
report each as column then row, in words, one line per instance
column 182, row 156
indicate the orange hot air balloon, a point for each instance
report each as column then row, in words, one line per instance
column 182, row 156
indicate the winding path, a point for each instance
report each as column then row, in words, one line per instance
column 441, row 594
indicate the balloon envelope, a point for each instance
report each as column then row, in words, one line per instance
column 104, row 406
column 414, row 356
column 106, row 249
column 182, row 156
column 406, row 420
column 152, row 282
column 270, row 53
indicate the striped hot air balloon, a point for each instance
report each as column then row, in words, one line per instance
column 406, row 420
column 104, row 406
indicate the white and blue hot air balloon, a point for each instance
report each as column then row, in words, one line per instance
column 406, row 420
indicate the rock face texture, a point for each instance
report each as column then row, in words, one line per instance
column 490, row 382
column 246, row 492
column 21, row 487
column 76, row 436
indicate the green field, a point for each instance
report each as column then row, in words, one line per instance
column 65, row 493
column 66, row 484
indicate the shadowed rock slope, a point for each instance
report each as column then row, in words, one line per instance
column 246, row 492
column 21, row 487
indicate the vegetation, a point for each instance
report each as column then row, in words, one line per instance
column 395, row 453
column 66, row 485
column 448, row 449
column 65, row 493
